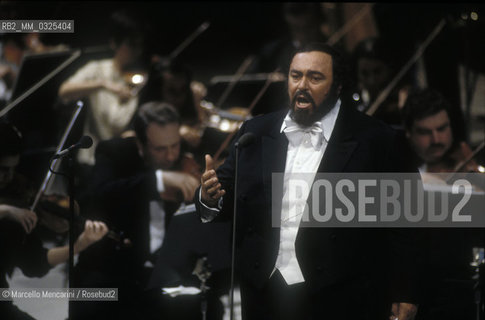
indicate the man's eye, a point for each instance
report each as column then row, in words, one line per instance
column 423, row 132
column 443, row 128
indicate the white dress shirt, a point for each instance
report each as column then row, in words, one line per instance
column 108, row 117
column 305, row 153
column 157, row 218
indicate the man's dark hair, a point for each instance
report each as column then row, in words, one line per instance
column 338, row 61
column 160, row 113
column 421, row 104
column 125, row 27
column 10, row 140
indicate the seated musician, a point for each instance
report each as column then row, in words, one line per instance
column 112, row 103
column 137, row 185
column 20, row 244
column 448, row 251
column 429, row 129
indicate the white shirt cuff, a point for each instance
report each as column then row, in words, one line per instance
column 160, row 185
column 208, row 214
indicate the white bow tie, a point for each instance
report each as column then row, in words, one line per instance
column 298, row 135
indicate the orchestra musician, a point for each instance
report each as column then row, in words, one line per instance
column 111, row 100
column 20, row 243
column 138, row 183
column 429, row 129
column 312, row 273
column 430, row 133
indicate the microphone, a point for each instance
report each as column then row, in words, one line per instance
column 245, row 140
column 84, row 143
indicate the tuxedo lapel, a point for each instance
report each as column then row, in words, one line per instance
column 336, row 156
column 341, row 145
column 274, row 149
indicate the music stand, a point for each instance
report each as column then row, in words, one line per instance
column 187, row 239
column 32, row 112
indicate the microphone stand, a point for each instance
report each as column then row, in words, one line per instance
column 233, row 251
column 47, row 181
column 72, row 239
column 243, row 141
column 478, row 264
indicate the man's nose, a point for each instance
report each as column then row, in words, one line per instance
column 436, row 137
column 172, row 155
column 303, row 84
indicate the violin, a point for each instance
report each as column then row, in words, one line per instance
column 135, row 80
column 456, row 164
column 459, row 159
column 224, row 120
column 56, row 213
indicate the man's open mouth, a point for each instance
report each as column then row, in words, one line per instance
column 302, row 102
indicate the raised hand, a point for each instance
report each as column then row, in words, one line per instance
column 211, row 190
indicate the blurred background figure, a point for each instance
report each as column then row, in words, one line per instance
column 107, row 85
column 21, row 243
column 431, row 133
column 430, row 130
column 138, row 183
column 373, row 66
column 110, row 89
column 172, row 83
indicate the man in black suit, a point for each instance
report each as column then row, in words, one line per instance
column 137, row 186
column 312, row 273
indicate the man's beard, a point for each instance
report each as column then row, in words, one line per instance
column 307, row 117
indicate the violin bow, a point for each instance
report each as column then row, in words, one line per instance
column 339, row 34
column 189, row 40
column 258, row 97
column 234, row 80
column 462, row 164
